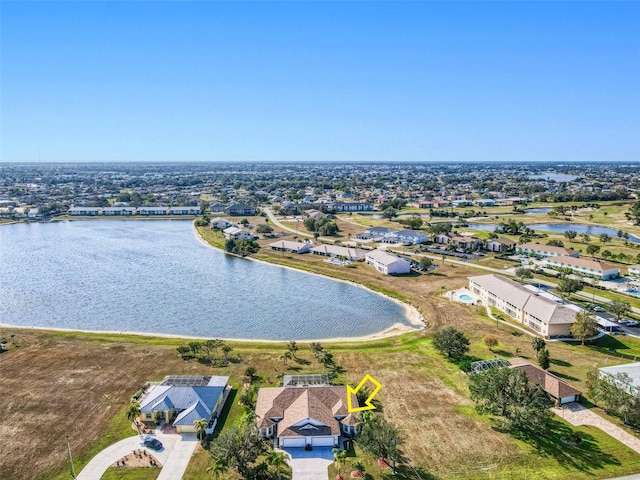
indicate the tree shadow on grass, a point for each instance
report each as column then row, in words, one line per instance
column 564, row 376
column 561, row 363
column 302, row 361
column 559, row 444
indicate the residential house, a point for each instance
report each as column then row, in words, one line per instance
column 221, row 223
column 290, row 246
column 338, row 251
column 426, row 204
column 543, row 315
column 584, row 266
column 151, row 211
column 626, row 375
column 188, row 210
column 351, row 206
column 216, row 207
column 633, row 270
column 118, row 211
column 387, row 263
column 239, row 209
column 84, row 211
column 462, row 203
column 485, row 202
column 411, row 237
column 465, row 242
column 236, row 233
column 501, row 244
column 559, row 390
column 181, row 400
column 306, row 413
column 545, row 250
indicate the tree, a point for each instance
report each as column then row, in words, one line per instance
column 292, row 346
column 523, row 273
column 240, row 447
column 440, row 227
column 544, row 359
column 506, row 392
column 414, row 222
column 133, row 412
column 389, row 212
column 226, row 350
column 278, row 461
column 490, row 342
column 618, row 308
column 285, row 357
column 585, row 326
column 608, row 391
column 568, row 286
column 555, row 243
column 263, row 228
column 380, row 438
column 634, row 212
column 340, row 457
column 592, row 249
column 209, row 348
column 358, row 466
column 218, row 469
column 452, row 342
column 605, row 238
column 200, row 426
column 250, row 373
column 538, row 344
column 570, row 234
column 425, row 263
column 586, row 238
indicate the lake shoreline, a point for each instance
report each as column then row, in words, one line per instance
column 412, row 314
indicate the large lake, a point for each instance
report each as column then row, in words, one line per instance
column 155, row 276
column 561, row 228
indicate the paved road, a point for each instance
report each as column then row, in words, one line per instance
column 577, row 414
column 110, row 455
column 277, row 222
column 310, row 465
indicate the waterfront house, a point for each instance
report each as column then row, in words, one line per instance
column 220, row 223
column 545, row 250
column 235, row 233
column 485, row 202
column 290, row 246
column 306, row 412
column 181, row 400
column 501, row 244
column 216, row 207
column 351, row 206
column 387, row 263
column 84, row 211
column 584, row 266
column 338, row 251
column 118, row 211
column 556, row 388
column 543, row 315
column 187, row 210
column 411, row 237
column 149, row 211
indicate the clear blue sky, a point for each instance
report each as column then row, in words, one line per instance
column 298, row 81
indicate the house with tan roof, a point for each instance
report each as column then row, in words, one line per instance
column 559, row 390
column 545, row 250
column 501, row 244
column 550, row 319
column 290, row 246
column 584, row 266
column 306, row 413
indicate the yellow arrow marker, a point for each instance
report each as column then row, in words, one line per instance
column 354, row 391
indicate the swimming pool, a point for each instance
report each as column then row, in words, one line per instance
column 466, row 298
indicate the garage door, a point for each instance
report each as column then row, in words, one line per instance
column 322, row 441
column 570, row 399
column 292, row 442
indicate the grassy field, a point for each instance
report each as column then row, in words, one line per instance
column 76, row 384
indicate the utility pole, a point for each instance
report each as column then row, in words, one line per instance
column 72, row 471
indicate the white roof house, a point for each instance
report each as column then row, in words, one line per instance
column 545, row 316
column 236, row 233
column 387, row 263
column 290, row 246
column 221, row 223
column 632, row 372
column 338, row 251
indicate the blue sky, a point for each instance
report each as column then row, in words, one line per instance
column 319, row 81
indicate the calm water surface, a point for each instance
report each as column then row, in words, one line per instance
column 155, row 276
column 561, row 228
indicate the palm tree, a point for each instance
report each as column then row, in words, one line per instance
column 285, row 357
column 538, row 344
column 218, row 469
column 133, row 412
column 277, row 460
column 292, row 346
column 340, row 457
column 200, row 426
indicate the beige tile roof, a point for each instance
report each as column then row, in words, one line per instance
column 584, row 263
column 289, row 406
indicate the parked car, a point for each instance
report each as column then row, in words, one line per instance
column 633, row 324
column 624, row 321
column 152, row 442
column 598, row 308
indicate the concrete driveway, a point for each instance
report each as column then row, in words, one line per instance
column 174, row 451
column 310, row 465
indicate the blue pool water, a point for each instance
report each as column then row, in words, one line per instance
column 466, row 298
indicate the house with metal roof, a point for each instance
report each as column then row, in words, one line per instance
column 626, row 375
column 182, row 400
column 306, row 412
column 387, row 263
